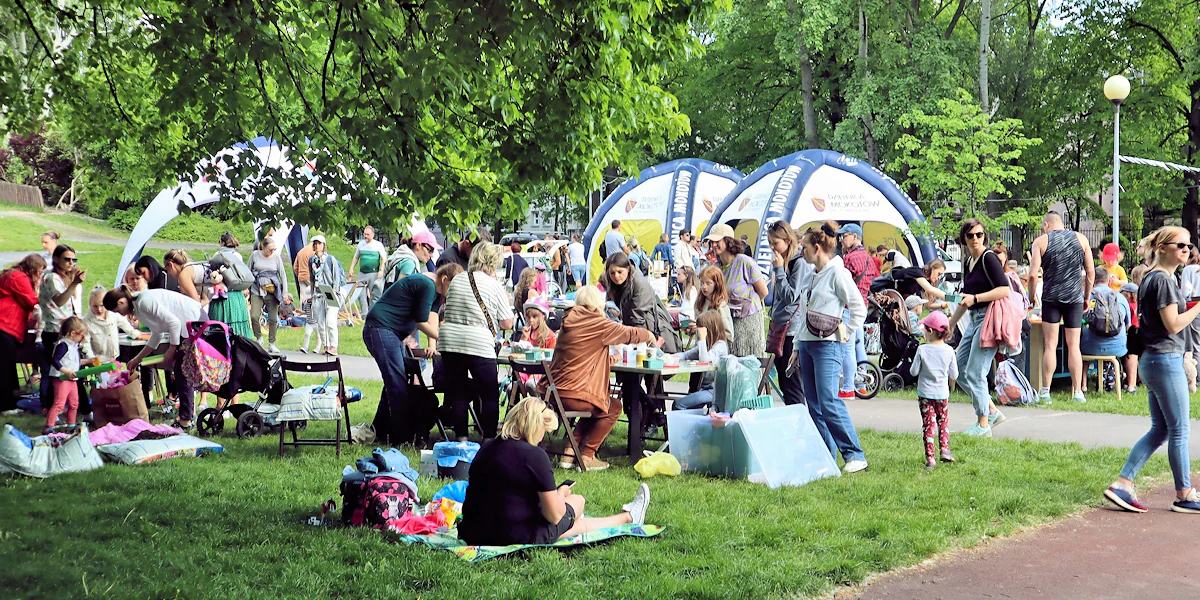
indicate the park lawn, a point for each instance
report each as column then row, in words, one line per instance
column 1130, row 404
column 229, row 526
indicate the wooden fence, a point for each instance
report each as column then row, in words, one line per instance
column 23, row 195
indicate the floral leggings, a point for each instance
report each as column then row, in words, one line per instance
column 934, row 416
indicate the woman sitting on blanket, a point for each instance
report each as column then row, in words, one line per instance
column 513, row 499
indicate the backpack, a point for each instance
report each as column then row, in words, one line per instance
column 205, row 365
column 1012, row 388
column 1104, row 319
column 643, row 262
column 376, row 502
column 236, row 275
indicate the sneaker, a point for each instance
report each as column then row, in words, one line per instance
column 855, row 466
column 846, row 394
column 977, row 431
column 273, row 349
column 304, row 351
column 1126, row 500
column 947, row 457
column 931, row 464
column 1079, row 397
column 641, row 503
column 591, row 463
column 996, row 418
column 1044, row 397
column 1189, row 504
column 1131, row 390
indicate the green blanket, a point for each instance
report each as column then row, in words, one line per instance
column 449, row 541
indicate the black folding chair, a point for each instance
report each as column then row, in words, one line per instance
column 330, row 366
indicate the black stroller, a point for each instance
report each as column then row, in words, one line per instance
column 898, row 343
column 252, row 370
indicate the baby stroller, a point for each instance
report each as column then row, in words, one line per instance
column 252, row 370
column 897, row 342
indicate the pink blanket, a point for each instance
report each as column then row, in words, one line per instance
column 117, row 434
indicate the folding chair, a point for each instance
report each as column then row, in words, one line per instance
column 766, row 383
column 330, row 366
column 472, row 413
column 564, row 416
column 416, row 378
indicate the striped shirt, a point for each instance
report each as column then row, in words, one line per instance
column 465, row 329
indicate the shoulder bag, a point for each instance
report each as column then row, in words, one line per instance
column 820, row 324
column 776, row 335
column 486, row 315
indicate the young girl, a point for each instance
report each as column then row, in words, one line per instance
column 711, row 345
column 64, row 361
column 102, row 326
column 934, row 367
column 536, row 332
column 689, row 289
column 714, row 296
column 526, row 283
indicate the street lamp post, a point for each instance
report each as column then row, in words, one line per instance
column 1116, row 89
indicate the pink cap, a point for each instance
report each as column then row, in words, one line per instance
column 1111, row 251
column 426, row 237
column 538, row 303
column 936, row 321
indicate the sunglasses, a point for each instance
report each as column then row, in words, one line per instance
column 975, row 235
column 1180, row 245
column 71, row 260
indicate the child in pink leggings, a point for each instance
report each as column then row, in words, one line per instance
column 65, row 362
column 934, row 366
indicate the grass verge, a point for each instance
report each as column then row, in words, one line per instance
column 229, row 526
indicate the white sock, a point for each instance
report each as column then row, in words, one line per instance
column 1045, row 391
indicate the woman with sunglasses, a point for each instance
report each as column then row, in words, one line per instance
column 60, row 297
column 983, row 282
column 1163, row 323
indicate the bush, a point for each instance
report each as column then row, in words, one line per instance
column 194, row 227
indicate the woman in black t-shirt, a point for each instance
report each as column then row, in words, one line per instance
column 1163, row 321
column 983, row 282
column 513, row 499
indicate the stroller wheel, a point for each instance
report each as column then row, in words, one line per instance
column 249, row 425
column 867, row 379
column 893, row 382
column 210, row 423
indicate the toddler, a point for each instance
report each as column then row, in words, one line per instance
column 934, row 366
column 102, row 328
column 914, row 304
column 64, row 362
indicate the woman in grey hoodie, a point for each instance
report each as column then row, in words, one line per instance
column 821, row 356
column 792, row 275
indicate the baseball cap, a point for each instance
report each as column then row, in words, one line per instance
column 936, row 321
column 317, row 238
column 1111, row 251
column 913, row 301
column 719, row 231
column 426, row 237
column 851, row 228
column 1132, row 288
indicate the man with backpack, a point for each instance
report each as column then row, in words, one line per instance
column 1106, row 322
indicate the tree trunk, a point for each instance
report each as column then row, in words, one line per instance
column 806, row 86
column 868, row 119
column 1191, row 200
column 985, row 27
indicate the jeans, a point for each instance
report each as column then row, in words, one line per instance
column 395, row 416
column 820, row 364
column 1170, row 410
column 183, row 389
column 697, row 399
column 579, row 274
column 483, row 386
column 974, row 361
column 257, row 303
column 855, row 353
column 791, row 387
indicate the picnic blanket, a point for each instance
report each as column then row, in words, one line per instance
column 449, row 541
column 117, row 434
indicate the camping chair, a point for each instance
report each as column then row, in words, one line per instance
column 416, row 379
column 565, row 417
column 353, row 297
column 330, row 366
column 765, row 384
column 419, row 377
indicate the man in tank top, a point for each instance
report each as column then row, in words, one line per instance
column 1065, row 258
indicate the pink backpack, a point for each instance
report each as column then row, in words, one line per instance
column 204, row 365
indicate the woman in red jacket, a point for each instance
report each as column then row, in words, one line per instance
column 18, row 298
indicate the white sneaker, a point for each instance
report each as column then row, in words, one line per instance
column 855, row 466
column 273, row 349
column 641, row 503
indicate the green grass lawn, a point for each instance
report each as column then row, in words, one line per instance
column 229, row 526
column 1129, row 404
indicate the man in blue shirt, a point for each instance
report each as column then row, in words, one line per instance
column 614, row 240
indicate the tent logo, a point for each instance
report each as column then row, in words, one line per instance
column 629, row 205
column 818, row 203
column 744, row 202
column 708, row 205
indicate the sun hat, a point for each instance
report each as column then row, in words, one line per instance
column 1111, row 251
column 1132, row 288
column 851, row 228
column 936, row 321
column 719, row 231
column 317, row 238
column 914, row 301
column 538, row 303
column 426, row 237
